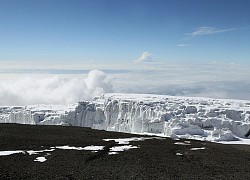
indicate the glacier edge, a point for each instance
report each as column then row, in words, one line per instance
column 207, row 118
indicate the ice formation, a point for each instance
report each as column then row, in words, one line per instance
column 189, row 117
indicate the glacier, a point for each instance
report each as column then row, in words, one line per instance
column 175, row 116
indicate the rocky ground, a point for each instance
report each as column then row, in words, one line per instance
column 154, row 159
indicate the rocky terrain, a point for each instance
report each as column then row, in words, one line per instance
column 151, row 157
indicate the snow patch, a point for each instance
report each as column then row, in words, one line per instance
column 69, row 147
column 195, row 149
column 126, row 140
column 40, row 159
column 32, row 152
column 112, row 153
column 93, row 148
column 122, row 148
column 7, row 153
column 181, row 143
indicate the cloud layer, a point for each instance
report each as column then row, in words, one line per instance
column 211, row 80
column 53, row 89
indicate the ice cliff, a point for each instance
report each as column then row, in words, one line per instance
column 189, row 117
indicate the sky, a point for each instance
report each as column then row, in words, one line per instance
column 64, row 51
column 39, row 32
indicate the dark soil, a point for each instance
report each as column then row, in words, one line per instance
column 155, row 159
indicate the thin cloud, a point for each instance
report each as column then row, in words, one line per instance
column 209, row 30
column 145, row 57
column 183, row 45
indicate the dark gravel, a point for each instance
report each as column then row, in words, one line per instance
column 155, row 159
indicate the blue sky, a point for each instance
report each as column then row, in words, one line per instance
column 124, row 31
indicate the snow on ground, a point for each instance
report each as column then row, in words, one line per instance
column 69, row 148
column 195, row 149
column 40, row 159
column 122, row 148
column 181, row 143
column 93, row 148
column 32, row 152
column 113, row 150
column 7, row 153
column 112, row 153
column 125, row 140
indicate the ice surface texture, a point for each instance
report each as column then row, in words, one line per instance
column 189, row 117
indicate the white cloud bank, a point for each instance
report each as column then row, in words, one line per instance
column 145, row 57
column 53, row 89
column 212, row 80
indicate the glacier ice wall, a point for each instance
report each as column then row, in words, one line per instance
column 211, row 119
